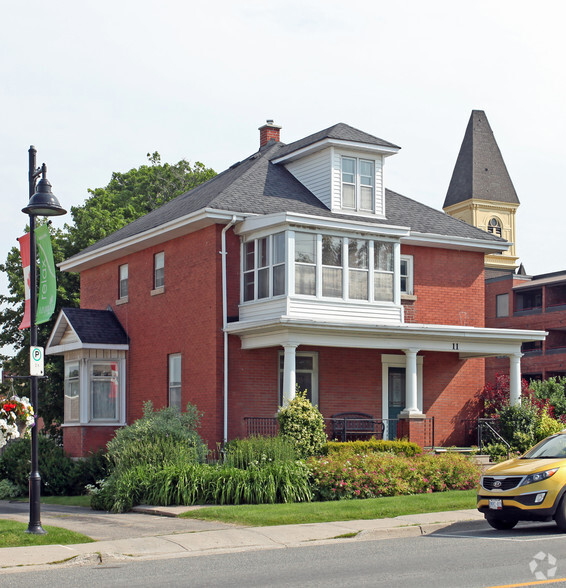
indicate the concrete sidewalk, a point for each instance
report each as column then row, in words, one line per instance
column 218, row 538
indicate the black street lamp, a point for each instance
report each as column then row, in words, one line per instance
column 41, row 203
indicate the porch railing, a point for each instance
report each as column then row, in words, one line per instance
column 343, row 431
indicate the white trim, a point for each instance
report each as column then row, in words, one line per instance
column 452, row 242
column 180, row 226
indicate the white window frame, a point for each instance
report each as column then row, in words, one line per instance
column 76, row 381
column 123, row 277
column 252, row 266
column 114, row 379
column 159, row 270
column 408, row 259
column 313, row 372
column 358, row 183
column 173, row 385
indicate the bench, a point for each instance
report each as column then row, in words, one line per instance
column 356, row 425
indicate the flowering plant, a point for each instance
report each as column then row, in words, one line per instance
column 16, row 418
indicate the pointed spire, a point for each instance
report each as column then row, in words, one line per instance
column 480, row 171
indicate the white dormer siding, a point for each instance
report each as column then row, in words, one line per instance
column 379, row 190
column 321, row 173
column 315, row 172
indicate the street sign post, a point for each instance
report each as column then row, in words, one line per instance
column 36, row 361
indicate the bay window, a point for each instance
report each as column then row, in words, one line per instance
column 322, row 266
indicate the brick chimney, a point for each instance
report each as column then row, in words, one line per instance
column 267, row 132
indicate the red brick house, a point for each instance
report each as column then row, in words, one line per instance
column 295, row 265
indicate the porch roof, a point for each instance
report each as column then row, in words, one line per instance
column 466, row 341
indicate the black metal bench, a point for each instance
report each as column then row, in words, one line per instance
column 356, row 425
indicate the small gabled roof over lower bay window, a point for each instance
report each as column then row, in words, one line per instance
column 83, row 328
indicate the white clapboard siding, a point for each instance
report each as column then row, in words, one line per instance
column 347, row 312
column 68, row 337
column 313, row 172
column 263, row 310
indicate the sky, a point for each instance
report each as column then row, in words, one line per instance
column 97, row 85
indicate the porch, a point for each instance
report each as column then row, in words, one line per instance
column 351, row 428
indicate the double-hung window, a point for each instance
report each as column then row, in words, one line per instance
column 175, row 380
column 123, row 281
column 104, row 391
column 358, row 255
column 305, row 263
column 406, row 274
column 358, row 184
column 263, row 267
column 306, row 374
column 383, row 271
column 332, row 266
column 159, row 270
column 72, row 389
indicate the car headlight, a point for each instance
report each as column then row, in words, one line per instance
column 538, row 477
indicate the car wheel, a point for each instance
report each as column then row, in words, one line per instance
column 501, row 524
column 560, row 515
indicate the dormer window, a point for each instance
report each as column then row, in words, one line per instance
column 358, row 182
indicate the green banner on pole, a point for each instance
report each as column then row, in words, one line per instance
column 47, row 294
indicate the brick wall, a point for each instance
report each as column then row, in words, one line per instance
column 448, row 285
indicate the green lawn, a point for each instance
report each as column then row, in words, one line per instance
column 342, row 510
column 12, row 534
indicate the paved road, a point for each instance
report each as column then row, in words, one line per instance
column 103, row 526
column 463, row 555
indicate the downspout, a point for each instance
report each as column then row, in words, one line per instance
column 224, row 254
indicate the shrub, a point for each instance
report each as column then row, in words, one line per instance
column 9, row 490
column 58, row 471
column 159, row 437
column 90, row 470
column 384, row 474
column 257, row 450
column 399, row 447
column 553, row 390
column 303, row 424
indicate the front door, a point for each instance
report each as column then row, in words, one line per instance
column 396, row 401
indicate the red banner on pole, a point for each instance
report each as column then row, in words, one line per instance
column 24, row 254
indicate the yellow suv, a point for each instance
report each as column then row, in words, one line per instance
column 527, row 488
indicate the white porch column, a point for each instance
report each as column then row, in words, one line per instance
column 411, row 403
column 515, row 378
column 289, row 376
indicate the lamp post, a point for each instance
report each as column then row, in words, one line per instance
column 41, row 203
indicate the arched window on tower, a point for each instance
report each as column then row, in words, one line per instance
column 494, row 226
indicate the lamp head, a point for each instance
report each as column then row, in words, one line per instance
column 44, row 202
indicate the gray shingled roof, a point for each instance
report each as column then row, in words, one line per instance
column 258, row 186
column 96, row 326
column 480, row 171
column 339, row 131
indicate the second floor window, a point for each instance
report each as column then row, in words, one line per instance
column 264, row 267
column 123, row 281
column 358, row 180
column 159, row 270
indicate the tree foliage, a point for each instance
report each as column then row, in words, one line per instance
column 127, row 197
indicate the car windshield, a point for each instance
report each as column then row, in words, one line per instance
column 552, row 447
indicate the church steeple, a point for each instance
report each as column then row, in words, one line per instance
column 481, row 192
